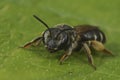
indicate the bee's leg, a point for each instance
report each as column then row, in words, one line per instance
column 34, row 42
column 90, row 58
column 100, row 47
column 65, row 56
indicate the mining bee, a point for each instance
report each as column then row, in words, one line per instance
column 69, row 39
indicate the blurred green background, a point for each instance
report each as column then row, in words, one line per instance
column 17, row 26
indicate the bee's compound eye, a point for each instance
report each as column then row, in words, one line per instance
column 48, row 36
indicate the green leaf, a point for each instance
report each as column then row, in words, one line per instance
column 17, row 26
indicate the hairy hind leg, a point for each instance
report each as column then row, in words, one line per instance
column 100, row 47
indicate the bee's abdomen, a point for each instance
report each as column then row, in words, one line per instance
column 95, row 34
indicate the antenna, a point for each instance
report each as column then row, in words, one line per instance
column 42, row 23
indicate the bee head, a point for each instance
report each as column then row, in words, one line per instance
column 53, row 38
column 56, row 40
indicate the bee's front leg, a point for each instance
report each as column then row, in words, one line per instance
column 68, row 52
column 34, row 42
column 65, row 56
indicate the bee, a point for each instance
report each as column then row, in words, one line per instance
column 70, row 39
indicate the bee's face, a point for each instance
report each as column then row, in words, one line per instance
column 54, row 41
